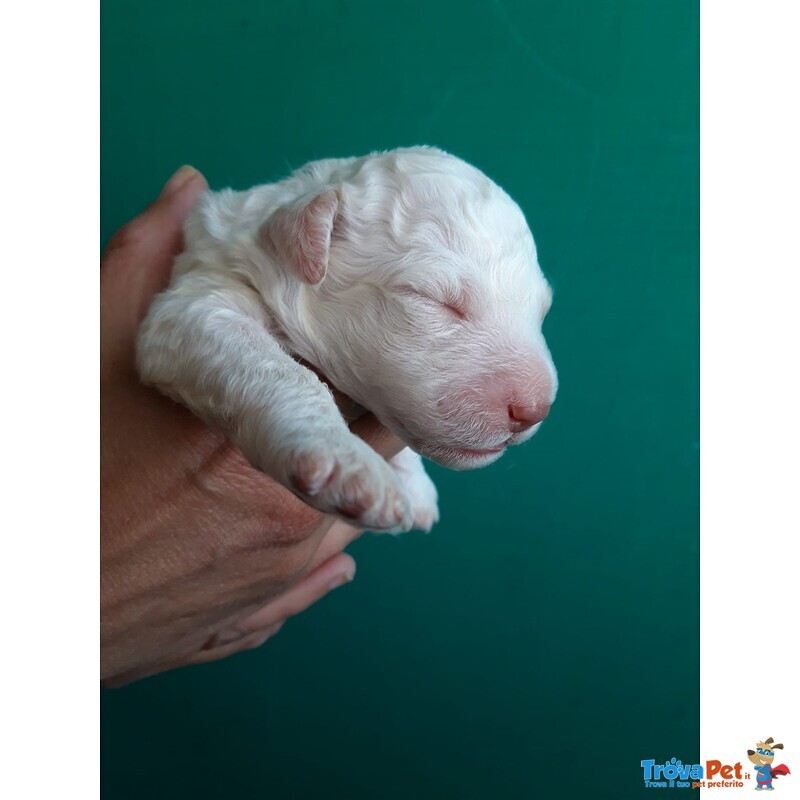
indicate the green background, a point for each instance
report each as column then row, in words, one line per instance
column 546, row 634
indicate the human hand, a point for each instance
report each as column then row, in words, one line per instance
column 201, row 555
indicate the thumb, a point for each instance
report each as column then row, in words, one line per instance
column 182, row 177
column 179, row 196
column 138, row 259
column 157, row 233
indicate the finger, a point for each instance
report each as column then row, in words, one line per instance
column 331, row 574
column 138, row 260
column 177, row 200
column 158, row 228
column 254, row 630
column 249, row 642
column 376, row 436
column 336, row 539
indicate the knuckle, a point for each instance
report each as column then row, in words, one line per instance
column 255, row 640
column 269, row 567
column 291, row 565
column 295, row 526
column 279, row 538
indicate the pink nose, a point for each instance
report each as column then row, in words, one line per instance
column 523, row 417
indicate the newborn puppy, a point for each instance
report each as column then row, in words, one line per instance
column 407, row 278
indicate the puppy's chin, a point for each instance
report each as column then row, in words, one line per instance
column 461, row 458
column 519, row 438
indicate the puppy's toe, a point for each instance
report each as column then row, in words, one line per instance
column 312, row 470
column 422, row 496
column 424, row 516
column 353, row 482
column 372, row 498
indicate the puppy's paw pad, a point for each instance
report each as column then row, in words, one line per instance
column 310, row 471
column 350, row 480
column 372, row 500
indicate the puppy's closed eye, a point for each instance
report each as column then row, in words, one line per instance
column 453, row 305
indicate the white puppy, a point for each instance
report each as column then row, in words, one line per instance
column 407, row 278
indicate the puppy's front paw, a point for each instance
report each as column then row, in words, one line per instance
column 424, row 501
column 419, row 488
column 352, row 481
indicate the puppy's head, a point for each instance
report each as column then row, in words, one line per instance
column 423, row 302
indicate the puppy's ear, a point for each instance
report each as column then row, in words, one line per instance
column 300, row 235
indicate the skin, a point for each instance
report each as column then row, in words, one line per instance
column 201, row 555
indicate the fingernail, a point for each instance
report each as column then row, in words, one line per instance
column 178, row 180
column 341, row 580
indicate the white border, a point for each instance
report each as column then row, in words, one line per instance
column 750, row 401
column 49, row 63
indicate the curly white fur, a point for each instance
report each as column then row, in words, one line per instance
column 408, row 278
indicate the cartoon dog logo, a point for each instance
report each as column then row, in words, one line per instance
column 762, row 757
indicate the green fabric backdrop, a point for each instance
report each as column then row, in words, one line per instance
column 544, row 639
